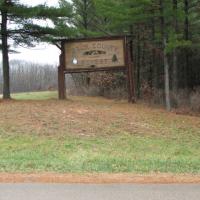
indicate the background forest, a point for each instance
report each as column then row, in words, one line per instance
column 165, row 37
column 165, row 44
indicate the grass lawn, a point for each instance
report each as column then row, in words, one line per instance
column 35, row 95
column 86, row 134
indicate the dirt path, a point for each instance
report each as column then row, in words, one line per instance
column 99, row 178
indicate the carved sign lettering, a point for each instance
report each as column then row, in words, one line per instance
column 94, row 54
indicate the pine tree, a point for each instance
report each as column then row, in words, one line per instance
column 165, row 39
column 25, row 29
column 161, row 30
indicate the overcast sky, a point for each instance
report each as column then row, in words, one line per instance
column 36, row 2
column 42, row 53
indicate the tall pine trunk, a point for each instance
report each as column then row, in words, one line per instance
column 138, row 63
column 186, row 32
column 166, row 71
column 165, row 57
column 175, row 67
column 85, row 16
column 5, row 58
column 154, row 64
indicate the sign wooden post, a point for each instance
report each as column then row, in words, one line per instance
column 61, row 79
column 130, row 76
column 93, row 55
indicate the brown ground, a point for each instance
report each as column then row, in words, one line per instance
column 84, row 116
column 99, row 178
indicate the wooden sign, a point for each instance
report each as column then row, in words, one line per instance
column 95, row 54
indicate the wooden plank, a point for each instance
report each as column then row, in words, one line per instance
column 94, row 54
column 130, row 76
column 61, row 79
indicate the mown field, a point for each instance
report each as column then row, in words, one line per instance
column 38, row 133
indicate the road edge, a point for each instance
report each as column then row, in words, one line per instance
column 96, row 178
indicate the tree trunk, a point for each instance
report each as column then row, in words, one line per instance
column 165, row 57
column 166, row 71
column 5, row 58
column 154, row 64
column 85, row 15
column 138, row 62
column 175, row 68
column 186, row 30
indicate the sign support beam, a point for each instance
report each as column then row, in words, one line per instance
column 61, row 79
column 130, row 76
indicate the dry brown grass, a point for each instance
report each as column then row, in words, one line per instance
column 89, row 116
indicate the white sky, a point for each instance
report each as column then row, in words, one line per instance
column 36, row 2
column 43, row 53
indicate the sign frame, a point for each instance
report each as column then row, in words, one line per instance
column 94, row 69
column 127, row 67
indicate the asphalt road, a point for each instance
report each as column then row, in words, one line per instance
column 98, row 192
